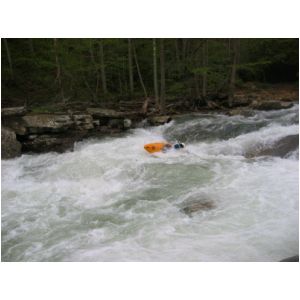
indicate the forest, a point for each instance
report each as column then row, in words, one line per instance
column 95, row 71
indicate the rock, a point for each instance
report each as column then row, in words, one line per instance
column 159, row 120
column 291, row 259
column 17, row 124
column 116, row 123
column 106, row 113
column 96, row 123
column 52, row 142
column 212, row 105
column 43, row 123
column 280, row 148
column 197, row 206
column 83, row 121
column 271, row 105
column 241, row 111
column 127, row 123
column 13, row 111
column 9, row 145
column 241, row 101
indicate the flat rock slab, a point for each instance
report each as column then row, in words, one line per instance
column 106, row 113
column 47, row 123
column 13, row 111
column 271, row 105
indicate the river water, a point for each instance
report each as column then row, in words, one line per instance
column 111, row 201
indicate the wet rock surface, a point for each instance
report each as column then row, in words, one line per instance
column 198, row 206
column 291, row 259
column 159, row 120
column 39, row 132
column 271, row 105
column 10, row 147
column 280, row 148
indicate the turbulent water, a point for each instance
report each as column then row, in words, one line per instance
column 111, row 201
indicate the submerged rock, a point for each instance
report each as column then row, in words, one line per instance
column 196, row 206
column 10, row 147
column 280, row 148
column 291, row 259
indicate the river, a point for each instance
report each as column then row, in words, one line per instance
column 109, row 200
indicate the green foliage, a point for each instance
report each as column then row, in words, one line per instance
column 34, row 63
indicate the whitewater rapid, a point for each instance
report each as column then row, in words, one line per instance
column 109, row 200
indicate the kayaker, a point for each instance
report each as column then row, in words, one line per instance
column 176, row 146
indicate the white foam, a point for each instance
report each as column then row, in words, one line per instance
column 110, row 200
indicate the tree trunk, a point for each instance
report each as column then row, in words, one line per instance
column 8, row 58
column 103, row 74
column 58, row 71
column 177, row 55
column 233, row 71
column 162, row 77
column 155, row 74
column 204, row 65
column 95, row 94
column 196, row 79
column 139, row 72
column 131, row 83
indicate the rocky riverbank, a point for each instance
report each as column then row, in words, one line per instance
column 26, row 131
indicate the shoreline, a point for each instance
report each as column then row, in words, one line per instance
column 27, row 131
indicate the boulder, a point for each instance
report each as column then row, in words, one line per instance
column 83, row 121
column 17, row 124
column 13, row 111
column 159, row 120
column 116, row 123
column 42, row 123
column 9, row 145
column 280, row 148
column 291, row 259
column 98, row 113
column 127, row 123
column 52, row 142
column 241, row 111
column 271, row 105
column 196, row 206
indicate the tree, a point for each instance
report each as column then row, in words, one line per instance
column 232, row 79
column 103, row 74
column 95, row 94
column 162, row 77
column 155, row 74
column 131, row 84
column 58, row 78
column 204, row 64
column 139, row 72
column 8, row 58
